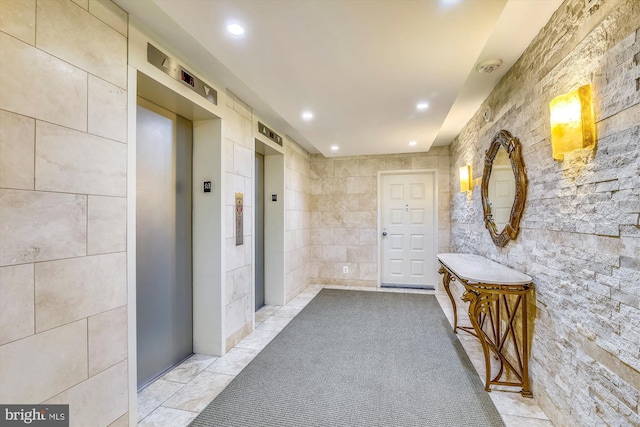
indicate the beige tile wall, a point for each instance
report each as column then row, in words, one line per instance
column 63, row 314
column 17, row 138
column 17, row 318
column 239, row 152
column 297, row 218
column 344, row 203
column 239, row 149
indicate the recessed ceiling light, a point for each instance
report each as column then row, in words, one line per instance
column 412, row 143
column 235, row 29
column 307, row 115
column 422, row 106
column 334, row 148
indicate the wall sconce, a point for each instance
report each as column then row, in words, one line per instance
column 465, row 178
column 572, row 122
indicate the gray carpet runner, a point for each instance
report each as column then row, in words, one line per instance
column 358, row 359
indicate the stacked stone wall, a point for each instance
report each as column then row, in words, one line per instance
column 580, row 232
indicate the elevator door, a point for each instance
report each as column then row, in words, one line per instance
column 163, row 240
column 259, row 230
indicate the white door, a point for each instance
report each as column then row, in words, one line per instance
column 408, row 212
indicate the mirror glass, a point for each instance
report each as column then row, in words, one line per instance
column 502, row 189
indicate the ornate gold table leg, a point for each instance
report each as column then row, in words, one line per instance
column 446, row 280
column 526, row 389
column 479, row 303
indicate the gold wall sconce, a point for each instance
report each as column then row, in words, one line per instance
column 572, row 122
column 466, row 183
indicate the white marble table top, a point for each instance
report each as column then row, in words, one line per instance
column 478, row 269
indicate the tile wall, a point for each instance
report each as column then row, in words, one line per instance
column 239, row 154
column 297, row 218
column 344, row 206
column 239, row 149
column 63, row 174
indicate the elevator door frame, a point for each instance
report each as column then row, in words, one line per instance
column 275, row 292
column 208, row 257
column 259, row 199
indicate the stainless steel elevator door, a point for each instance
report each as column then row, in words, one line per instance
column 163, row 240
column 259, row 231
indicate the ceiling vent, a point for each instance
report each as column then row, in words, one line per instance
column 489, row 66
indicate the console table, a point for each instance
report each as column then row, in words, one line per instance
column 496, row 295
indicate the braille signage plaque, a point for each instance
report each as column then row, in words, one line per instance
column 239, row 220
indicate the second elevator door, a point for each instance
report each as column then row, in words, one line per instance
column 259, row 231
column 163, row 238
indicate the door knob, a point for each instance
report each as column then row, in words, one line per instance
column 384, row 231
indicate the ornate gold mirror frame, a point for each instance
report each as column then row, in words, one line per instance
column 512, row 146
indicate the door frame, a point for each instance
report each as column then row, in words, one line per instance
column 208, row 255
column 380, row 226
column 207, row 223
column 274, row 221
column 258, row 231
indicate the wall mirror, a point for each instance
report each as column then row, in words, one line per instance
column 504, row 188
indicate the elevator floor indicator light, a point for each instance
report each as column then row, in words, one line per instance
column 188, row 79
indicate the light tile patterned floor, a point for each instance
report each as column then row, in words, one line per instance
column 176, row 399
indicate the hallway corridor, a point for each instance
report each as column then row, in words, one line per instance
column 180, row 395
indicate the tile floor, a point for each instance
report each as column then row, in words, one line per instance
column 176, row 399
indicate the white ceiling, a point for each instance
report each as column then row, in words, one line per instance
column 360, row 66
